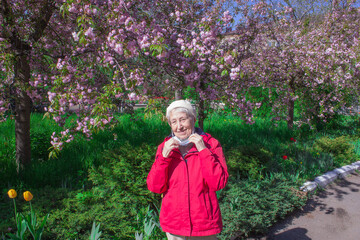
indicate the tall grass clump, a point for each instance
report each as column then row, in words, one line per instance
column 258, row 150
column 71, row 165
column 7, row 151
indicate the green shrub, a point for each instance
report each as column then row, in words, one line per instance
column 340, row 147
column 118, row 194
column 311, row 164
column 40, row 144
column 252, row 206
column 248, row 161
column 7, row 162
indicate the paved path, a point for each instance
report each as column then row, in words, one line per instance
column 332, row 214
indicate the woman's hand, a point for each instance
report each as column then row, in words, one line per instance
column 169, row 146
column 198, row 141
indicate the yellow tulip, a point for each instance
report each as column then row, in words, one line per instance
column 28, row 196
column 12, row 193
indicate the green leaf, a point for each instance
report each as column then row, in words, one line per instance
column 139, row 236
column 29, row 224
column 21, row 225
column 148, row 227
column 152, row 47
column 13, row 237
column 48, row 59
column 39, row 232
column 82, row 40
column 62, row 10
column 224, row 72
column 95, row 233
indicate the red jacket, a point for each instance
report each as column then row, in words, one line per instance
column 189, row 184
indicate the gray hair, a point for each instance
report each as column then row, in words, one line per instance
column 181, row 106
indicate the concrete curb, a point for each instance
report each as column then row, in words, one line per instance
column 327, row 178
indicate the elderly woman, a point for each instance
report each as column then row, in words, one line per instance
column 189, row 168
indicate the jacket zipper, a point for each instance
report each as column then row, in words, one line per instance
column 187, row 171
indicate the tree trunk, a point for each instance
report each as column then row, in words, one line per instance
column 22, row 112
column 290, row 122
column 201, row 113
column 178, row 94
column 22, row 50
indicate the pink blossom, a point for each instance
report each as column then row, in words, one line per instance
column 214, row 68
column 133, row 96
column 72, row 9
column 90, row 33
column 229, row 59
column 51, row 96
column 227, row 17
column 201, row 67
column 59, row 64
column 75, row 36
column 119, row 48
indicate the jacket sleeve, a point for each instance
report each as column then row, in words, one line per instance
column 213, row 166
column 157, row 179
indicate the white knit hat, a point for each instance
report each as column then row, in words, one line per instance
column 180, row 104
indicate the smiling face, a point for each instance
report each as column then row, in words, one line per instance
column 181, row 124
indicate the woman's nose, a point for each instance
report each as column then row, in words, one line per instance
column 178, row 124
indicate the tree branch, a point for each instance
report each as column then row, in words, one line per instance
column 6, row 11
column 43, row 20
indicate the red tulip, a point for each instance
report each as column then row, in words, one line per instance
column 284, row 157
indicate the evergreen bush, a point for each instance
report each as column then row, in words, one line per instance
column 252, row 206
column 248, row 161
column 340, row 147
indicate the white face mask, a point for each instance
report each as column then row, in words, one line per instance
column 182, row 142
